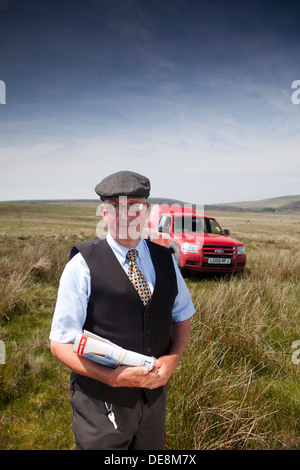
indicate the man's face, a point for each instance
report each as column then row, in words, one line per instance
column 125, row 217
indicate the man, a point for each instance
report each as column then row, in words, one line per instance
column 121, row 408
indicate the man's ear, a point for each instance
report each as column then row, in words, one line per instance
column 104, row 211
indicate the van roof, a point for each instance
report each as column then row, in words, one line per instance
column 194, row 214
column 180, row 209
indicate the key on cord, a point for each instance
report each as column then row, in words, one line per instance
column 111, row 415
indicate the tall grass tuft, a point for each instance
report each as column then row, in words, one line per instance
column 18, row 270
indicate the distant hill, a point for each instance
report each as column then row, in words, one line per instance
column 276, row 204
column 53, row 201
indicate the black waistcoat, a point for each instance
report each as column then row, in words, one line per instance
column 116, row 312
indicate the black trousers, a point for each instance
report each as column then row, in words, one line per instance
column 140, row 428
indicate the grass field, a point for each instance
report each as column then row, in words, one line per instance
column 236, row 387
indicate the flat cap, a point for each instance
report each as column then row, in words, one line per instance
column 123, row 183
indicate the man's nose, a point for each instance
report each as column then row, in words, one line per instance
column 123, row 211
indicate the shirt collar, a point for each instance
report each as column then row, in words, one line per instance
column 121, row 251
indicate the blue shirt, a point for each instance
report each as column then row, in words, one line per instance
column 75, row 288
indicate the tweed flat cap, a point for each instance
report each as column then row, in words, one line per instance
column 123, row 183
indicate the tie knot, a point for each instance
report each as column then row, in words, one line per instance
column 132, row 254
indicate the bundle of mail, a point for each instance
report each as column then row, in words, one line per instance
column 105, row 352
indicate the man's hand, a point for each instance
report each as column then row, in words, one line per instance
column 125, row 376
column 142, row 377
column 165, row 367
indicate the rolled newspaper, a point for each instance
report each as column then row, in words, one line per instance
column 105, row 352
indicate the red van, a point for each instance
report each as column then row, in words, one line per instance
column 197, row 242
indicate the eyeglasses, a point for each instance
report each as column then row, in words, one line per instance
column 131, row 209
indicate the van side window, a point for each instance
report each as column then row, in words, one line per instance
column 164, row 224
column 161, row 222
column 167, row 225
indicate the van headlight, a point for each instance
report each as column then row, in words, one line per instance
column 189, row 248
column 241, row 250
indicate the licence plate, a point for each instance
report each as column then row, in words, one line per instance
column 219, row 260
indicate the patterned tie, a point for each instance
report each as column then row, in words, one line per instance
column 137, row 278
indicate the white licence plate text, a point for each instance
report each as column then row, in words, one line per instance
column 219, row 260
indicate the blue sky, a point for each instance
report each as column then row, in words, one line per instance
column 194, row 94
